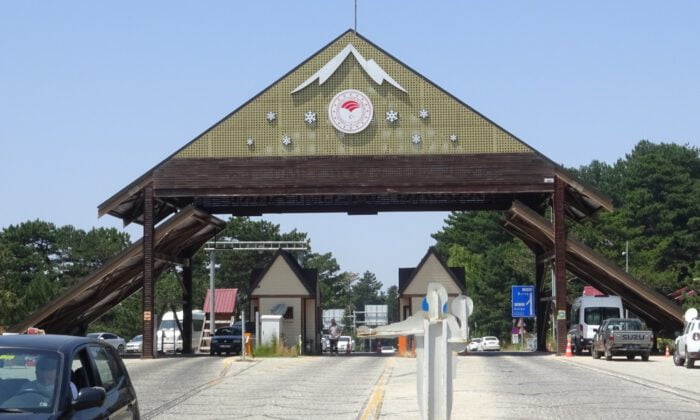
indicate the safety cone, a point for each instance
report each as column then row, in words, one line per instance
column 668, row 354
column 568, row 347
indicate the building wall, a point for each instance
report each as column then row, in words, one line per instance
column 310, row 333
column 431, row 272
column 404, row 301
column 291, row 328
column 280, row 280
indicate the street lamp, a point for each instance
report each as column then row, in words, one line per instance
column 626, row 253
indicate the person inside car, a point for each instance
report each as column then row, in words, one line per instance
column 46, row 372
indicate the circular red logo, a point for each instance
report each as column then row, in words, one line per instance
column 350, row 111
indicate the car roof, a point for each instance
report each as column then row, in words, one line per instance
column 490, row 337
column 60, row 343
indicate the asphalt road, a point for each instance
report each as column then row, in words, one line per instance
column 499, row 385
column 488, row 386
column 279, row 388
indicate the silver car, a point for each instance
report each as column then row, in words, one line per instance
column 135, row 345
column 112, row 339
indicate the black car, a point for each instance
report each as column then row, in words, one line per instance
column 226, row 340
column 57, row 376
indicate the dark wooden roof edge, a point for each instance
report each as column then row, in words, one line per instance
column 132, row 251
column 311, row 285
column 584, row 189
column 592, row 257
column 461, row 283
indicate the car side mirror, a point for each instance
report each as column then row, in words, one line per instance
column 595, row 330
column 89, row 397
column 677, row 334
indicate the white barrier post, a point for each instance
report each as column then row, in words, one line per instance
column 439, row 335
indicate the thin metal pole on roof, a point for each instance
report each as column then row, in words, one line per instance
column 355, row 16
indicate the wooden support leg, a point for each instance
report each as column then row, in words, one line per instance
column 560, row 264
column 187, row 308
column 148, row 280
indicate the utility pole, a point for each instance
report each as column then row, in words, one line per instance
column 627, row 256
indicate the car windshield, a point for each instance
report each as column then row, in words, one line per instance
column 596, row 315
column 228, row 331
column 629, row 325
column 168, row 324
column 94, row 335
column 137, row 338
column 490, row 339
column 29, row 380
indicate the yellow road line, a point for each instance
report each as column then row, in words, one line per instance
column 373, row 408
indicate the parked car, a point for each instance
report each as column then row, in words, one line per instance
column 688, row 343
column 388, row 350
column 346, row 344
column 489, row 344
column 226, row 340
column 57, row 376
column 113, row 339
column 622, row 336
column 587, row 314
column 474, row 345
column 135, row 345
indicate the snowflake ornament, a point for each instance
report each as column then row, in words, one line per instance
column 286, row 140
column 249, row 141
column 310, row 117
column 392, row 116
column 423, row 113
column 415, row 138
column 453, row 138
column 271, row 116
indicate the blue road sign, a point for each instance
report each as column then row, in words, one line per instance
column 523, row 298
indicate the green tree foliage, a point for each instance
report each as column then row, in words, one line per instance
column 493, row 262
column 335, row 286
column 367, row 291
column 39, row 260
column 391, row 299
column 656, row 190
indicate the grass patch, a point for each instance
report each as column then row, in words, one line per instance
column 275, row 349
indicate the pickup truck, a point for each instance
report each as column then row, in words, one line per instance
column 621, row 336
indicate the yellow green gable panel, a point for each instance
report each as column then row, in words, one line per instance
column 447, row 116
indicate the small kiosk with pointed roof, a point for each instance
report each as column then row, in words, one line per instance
column 285, row 283
column 414, row 281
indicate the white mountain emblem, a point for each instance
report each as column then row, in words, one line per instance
column 370, row 67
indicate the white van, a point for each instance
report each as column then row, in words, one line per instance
column 587, row 313
column 168, row 338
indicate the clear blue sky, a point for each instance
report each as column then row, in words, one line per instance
column 93, row 94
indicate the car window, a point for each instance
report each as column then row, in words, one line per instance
column 107, row 368
column 109, row 336
column 30, row 379
column 596, row 315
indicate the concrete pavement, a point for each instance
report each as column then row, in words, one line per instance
column 494, row 385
